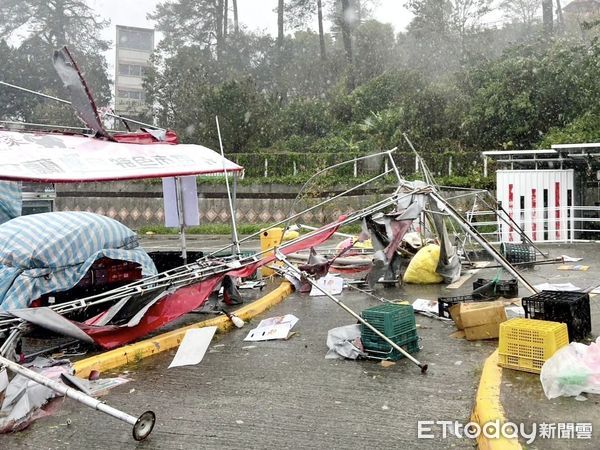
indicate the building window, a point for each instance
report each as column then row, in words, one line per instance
column 132, row 70
column 136, row 40
column 133, row 95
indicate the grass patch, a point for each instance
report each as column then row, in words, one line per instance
column 225, row 229
column 216, row 228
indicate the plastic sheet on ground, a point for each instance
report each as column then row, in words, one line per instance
column 572, row 370
column 344, row 342
column 557, row 287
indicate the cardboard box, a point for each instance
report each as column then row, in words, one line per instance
column 479, row 320
column 487, row 331
column 467, row 315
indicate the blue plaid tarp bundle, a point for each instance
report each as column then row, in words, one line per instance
column 10, row 200
column 51, row 252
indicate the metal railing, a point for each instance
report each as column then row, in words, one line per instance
column 561, row 224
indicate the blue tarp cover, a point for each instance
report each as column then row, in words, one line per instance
column 51, row 252
column 10, row 200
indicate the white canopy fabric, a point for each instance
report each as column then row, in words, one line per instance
column 59, row 158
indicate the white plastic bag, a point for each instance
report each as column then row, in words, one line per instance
column 573, row 369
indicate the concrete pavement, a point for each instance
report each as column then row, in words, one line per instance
column 285, row 394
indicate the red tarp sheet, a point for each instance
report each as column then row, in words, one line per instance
column 188, row 298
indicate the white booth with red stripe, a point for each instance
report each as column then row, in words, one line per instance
column 539, row 201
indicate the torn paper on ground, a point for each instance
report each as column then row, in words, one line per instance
column 570, row 258
column 273, row 328
column 428, row 308
column 344, row 342
column 193, row 347
column 332, row 284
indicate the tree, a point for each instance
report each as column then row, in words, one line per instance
column 374, row 48
column 191, row 23
column 547, row 16
column 43, row 26
column 523, row 11
column 321, row 34
column 346, row 20
column 465, row 18
column 299, row 13
column 55, row 23
column 236, row 25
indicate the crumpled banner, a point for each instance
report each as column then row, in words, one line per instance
column 23, row 397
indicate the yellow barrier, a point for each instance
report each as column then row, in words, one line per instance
column 268, row 239
column 163, row 342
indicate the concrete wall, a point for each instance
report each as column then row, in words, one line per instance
column 139, row 204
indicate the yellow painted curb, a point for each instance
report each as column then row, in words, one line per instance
column 163, row 342
column 488, row 409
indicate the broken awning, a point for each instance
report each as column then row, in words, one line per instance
column 58, row 158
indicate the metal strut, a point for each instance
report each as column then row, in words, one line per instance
column 281, row 257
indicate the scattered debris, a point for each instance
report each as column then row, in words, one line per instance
column 273, row 328
column 556, row 287
column 344, row 342
column 193, row 346
column 329, row 283
column 428, row 308
column 479, row 320
column 252, row 284
column 514, row 311
column 574, row 268
column 572, row 370
column 422, row 268
column 385, row 363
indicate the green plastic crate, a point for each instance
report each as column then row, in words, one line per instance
column 391, row 320
column 387, row 352
column 376, row 343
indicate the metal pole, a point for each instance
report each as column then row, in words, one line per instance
column 66, row 102
column 231, row 208
column 180, row 214
column 282, row 258
column 481, row 241
column 329, row 200
column 234, row 188
column 308, row 227
column 142, row 426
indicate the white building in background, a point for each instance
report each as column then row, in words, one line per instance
column 133, row 49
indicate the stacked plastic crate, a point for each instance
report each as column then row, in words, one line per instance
column 396, row 322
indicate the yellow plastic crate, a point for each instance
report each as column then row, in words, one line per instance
column 525, row 344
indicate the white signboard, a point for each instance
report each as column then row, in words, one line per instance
column 57, row 158
column 189, row 200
